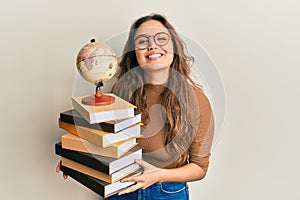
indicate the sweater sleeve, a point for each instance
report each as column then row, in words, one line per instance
column 199, row 151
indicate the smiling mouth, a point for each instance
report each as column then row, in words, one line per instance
column 155, row 56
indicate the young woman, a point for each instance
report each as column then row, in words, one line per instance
column 177, row 116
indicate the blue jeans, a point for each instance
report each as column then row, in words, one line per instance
column 157, row 191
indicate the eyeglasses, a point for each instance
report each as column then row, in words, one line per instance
column 160, row 39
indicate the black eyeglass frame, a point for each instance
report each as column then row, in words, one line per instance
column 153, row 36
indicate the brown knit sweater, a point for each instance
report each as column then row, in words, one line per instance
column 153, row 139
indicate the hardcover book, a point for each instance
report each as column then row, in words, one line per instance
column 73, row 142
column 104, row 164
column 109, row 178
column 112, row 126
column 120, row 109
column 101, row 138
column 102, row 188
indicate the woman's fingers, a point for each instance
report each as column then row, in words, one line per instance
column 149, row 176
column 140, row 178
column 142, row 163
column 130, row 189
column 65, row 176
column 58, row 167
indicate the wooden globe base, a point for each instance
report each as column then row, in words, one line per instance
column 98, row 100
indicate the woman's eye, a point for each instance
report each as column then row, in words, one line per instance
column 162, row 38
column 142, row 41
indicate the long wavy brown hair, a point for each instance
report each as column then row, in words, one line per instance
column 178, row 97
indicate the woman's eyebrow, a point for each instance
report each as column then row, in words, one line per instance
column 147, row 35
column 142, row 34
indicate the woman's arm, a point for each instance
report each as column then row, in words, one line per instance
column 187, row 173
column 199, row 153
column 152, row 174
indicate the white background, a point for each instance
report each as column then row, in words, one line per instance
column 254, row 44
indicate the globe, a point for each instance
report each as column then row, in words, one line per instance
column 97, row 63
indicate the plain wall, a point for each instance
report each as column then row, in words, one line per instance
column 254, row 44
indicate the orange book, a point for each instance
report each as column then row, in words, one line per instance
column 73, row 142
column 101, row 138
column 109, row 178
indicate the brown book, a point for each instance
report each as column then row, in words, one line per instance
column 109, row 178
column 101, row 138
column 73, row 142
column 120, row 109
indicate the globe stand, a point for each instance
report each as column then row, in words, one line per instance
column 99, row 99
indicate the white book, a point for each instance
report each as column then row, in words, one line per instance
column 73, row 142
column 120, row 109
column 123, row 123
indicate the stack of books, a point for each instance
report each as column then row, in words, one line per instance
column 99, row 147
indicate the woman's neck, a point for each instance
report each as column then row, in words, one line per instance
column 156, row 77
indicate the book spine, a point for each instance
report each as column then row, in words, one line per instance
column 90, row 161
column 82, row 122
column 87, row 170
column 79, row 144
column 103, row 189
column 83, row 132
column 85, row 180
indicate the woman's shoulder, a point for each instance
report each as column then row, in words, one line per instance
column 201, row 96
column 199, row 92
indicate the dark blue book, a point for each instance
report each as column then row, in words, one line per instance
column 104, row 164
column 100, row 187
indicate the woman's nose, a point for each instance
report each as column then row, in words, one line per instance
column 151, row 44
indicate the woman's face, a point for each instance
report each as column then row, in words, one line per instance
column 153, row 46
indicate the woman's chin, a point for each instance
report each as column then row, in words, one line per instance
column 154, row 66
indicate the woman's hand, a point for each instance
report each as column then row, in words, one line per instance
column 58, row 170
column 150, row 176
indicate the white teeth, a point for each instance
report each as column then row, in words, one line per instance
column 155, row 55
